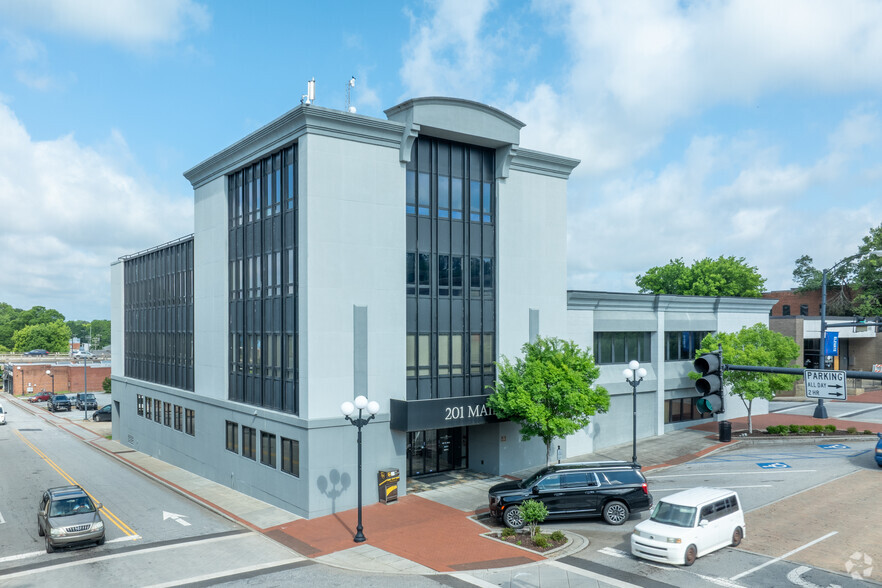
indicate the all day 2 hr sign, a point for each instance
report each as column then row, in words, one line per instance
column 825, row 384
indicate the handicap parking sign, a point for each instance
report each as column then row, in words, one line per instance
column 773, row 466
column 834, row 446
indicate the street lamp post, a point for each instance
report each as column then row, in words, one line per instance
column 51, row 375
column 820, row 409
column 85, row 390
column 634, row 374
column 348, row 409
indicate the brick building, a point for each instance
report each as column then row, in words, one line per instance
column 30, row 378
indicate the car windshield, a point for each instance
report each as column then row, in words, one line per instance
column 61, row 397
column 673, row 514
column 71, row 506
column 532, row 479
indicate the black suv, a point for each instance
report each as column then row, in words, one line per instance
column 611, row 489
column 86, row 401
column 58, row 402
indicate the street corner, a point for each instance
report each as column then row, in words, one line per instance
column 837, row 527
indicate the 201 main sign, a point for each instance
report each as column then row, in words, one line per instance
column 440, row 413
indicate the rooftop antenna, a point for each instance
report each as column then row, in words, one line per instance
column 349, row 85
column 309, row 97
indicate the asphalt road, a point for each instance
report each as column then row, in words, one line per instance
column 154, row 535
column 797, row 508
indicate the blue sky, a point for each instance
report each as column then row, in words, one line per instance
column 747, row 128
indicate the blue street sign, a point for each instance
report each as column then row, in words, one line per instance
column 773, row 466
column 834, row 446
column 831, row 343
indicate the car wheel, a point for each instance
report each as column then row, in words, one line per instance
column 49, row 548
column 737, row 536
column 691, row 555
column 513, row 518
column 615, row 512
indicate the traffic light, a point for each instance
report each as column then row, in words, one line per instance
column 710, row 384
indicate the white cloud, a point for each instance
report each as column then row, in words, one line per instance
column 71, row 210
column 130, row 23
column 637, row 68
column 634, row 222
column 449, row 54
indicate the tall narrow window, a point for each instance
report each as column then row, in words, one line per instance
column 232, row 437
column 291, row 456
column 268, row 449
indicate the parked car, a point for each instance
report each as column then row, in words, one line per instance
column 103, row 414
column 2, row 416
column 41, row 397
column 879, row 450
column 612, row 489
column 86, row 401
column 689, row 524
column 36, row 352
column 83, row 354
column 68, row 518
column 58, row 402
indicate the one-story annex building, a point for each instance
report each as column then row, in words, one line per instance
column 336, row 255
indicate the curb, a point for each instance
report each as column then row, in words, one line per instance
column 575, row 543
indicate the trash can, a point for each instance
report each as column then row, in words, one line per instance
column 725, row 431
column 388, row 484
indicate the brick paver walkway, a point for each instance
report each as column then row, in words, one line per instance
column 423, row 531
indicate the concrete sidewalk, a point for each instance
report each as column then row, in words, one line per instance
column 402, row 537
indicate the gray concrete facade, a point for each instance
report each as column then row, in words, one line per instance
column 351, row 299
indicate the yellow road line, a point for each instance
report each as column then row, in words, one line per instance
column 113, row 518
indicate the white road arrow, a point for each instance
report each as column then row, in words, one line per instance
column 175, row 517
column 795, row 577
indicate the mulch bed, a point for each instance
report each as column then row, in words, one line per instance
column 757, row 434
column 524, row 540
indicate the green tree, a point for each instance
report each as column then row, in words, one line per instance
column 839, row 292
column 534, row 512
column 868, row 275
column 548, row 391
column 757, row 346
column 106, row 385
column 53, row 337
column 724, row 276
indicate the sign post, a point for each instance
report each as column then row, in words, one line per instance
column 825, row 384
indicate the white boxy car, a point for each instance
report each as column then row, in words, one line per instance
column 689, row 524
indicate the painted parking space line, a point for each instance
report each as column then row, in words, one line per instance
column 861, row 411
column 790, row 471
column 2, row 520
column 656, row 490
column 785, row 556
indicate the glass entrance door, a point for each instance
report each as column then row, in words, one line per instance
column 434, row 451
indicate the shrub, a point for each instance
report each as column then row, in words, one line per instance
column 830, row 428
column 817, row 428
column 508, row 532
column 534, row 512
column 785, row 431
column 558, row 536
column 804, row 429
column 774, row 429
column 540, row 540
column 852, row 430
column 794, row 429
column 868, row 432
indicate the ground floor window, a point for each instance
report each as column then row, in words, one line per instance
column 437, row 450
column 140, row 405
column 249, row 442
column 190, row 422
column 678, row 410
column 291, row 457
column 178, row 420
column 232, row 437
column 268, row 449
